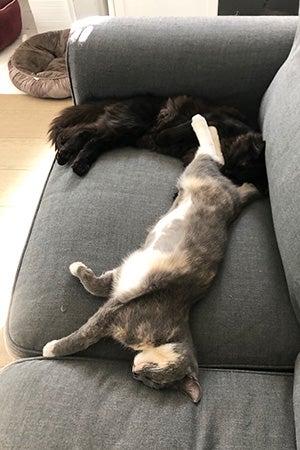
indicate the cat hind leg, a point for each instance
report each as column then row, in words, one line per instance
column 73, row 146
column 88, row 155
column 217, row 144
column 207, row 139
column 97, row 327
column 99, row 286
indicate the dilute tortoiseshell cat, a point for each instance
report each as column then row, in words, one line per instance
column 81, row 133
column 150, row 294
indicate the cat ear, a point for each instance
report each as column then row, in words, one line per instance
column 191, row 387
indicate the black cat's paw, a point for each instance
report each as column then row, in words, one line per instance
column 81, row 167
column 61, row 158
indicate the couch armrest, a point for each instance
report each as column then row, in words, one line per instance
column 296, row 400
column 280, row 113
column 230, row 59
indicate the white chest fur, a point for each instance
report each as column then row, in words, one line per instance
column 163, row 253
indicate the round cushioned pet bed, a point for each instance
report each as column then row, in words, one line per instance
column 38, row 65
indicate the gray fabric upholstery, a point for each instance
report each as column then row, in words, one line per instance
column 280, row 123
column 296, row 399
column 229, row 59
column 97, row 405
column 245, row 321
column 105, row 215
column 101, row 218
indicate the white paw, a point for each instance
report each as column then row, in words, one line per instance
column 48, row 349
column 74, row 267
column 198, row 121
column 217, row 144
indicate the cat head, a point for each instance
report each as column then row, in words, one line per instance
column 245, row 161
column 170, row 365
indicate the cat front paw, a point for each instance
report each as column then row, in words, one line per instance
column 75, row 268
column 62, row 157
column 48, row 350
column 81, row 167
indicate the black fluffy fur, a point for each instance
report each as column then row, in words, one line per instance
column 81, row 133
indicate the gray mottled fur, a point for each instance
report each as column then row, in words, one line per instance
column 150, row 314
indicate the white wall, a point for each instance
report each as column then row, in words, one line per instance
column 59, row 14
column 163, row 7
column 84, row 8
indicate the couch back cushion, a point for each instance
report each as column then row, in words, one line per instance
column 228, row 59
column 280, row 113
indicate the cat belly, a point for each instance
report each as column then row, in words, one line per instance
column 163, row 254
column 169, row 232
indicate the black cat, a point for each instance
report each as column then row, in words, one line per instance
column 81, row 133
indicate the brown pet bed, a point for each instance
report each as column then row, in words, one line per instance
column 38, row 65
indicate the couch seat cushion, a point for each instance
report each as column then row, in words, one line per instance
column 94, row 404
column 245, row 321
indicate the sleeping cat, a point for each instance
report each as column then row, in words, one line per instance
column 150, row 294
column 81, row 133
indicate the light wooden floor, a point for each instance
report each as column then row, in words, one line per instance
column 25, row 160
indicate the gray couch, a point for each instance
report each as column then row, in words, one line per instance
column 246, row 331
